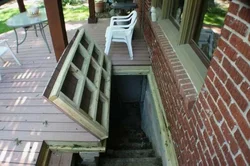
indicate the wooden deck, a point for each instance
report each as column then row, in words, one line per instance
column 26, row 118
column 119, row 52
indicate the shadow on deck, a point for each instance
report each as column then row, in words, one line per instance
column 119, row 52
column 23, row 110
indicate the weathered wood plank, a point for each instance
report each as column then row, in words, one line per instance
column 18, row 157
column 24, row 146
column 20, row 102
column 59, row 117
column 22, row 90
column 66, row 159
column 24, row 95
column 28, row 110
column 41, row 127
column 22, row 84
column 40, row 136
column 60, row 159
column 55, row 158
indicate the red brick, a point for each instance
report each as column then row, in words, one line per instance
column 233, row 8
column 200, row 123
column 208, row 158
column 214, row 109
column 243, row 145
column 218, row 152
column 242, row 122
column 212, row 90
column 235, row 75
column 240, row 161
column 228, row 156
column 226, row 115
column 244, row 14
column 215, row 161
column 230, row 53
column 210, row 74
column 245, row 88
column 201, row 153
column 248, row 115
column 229, row 20
column 229, row 138
column 243, row 66
column 217, row 53
column 223, row 93
column 240, row 100
column 217, row 131
column 240, row 45
column 237, row 25
column 219, row 71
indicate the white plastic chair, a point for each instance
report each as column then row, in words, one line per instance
column 4, row 47
column 121, row 30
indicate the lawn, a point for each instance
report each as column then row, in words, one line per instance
column 215, row 16
column 71, row 13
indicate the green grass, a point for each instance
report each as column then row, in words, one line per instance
column 215, row 16
column 75, row 12
column 5, row 14
column 71, row 13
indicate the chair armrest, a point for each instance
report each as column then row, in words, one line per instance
column 119, row 17
column 112, row 22
column 119, row 26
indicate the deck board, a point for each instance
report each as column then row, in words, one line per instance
column 23, row 110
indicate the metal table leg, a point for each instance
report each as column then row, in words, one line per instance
column 17, row 43
column 35, row 30
column 43, row 35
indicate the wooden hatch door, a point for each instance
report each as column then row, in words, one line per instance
column 80, row 84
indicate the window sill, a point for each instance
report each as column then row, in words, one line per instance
column 189, row 59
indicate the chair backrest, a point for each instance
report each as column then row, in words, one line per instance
column 133, row 19
column 128, row 28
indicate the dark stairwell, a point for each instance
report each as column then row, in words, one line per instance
column 127, row 145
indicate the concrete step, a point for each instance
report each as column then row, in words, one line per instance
column 131, row 146
column 147, row 161
column 130, row 153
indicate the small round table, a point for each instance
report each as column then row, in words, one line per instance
column 24, row 20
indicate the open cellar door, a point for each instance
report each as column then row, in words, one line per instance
column 80, row 85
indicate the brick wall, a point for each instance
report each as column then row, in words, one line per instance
column 213, row 128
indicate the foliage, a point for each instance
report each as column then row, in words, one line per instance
column 75, row 12
column 5, row 14
column 71, row 13
column 72, row 2
column 215, row 16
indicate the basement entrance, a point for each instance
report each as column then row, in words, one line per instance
column 127, row 143
column 80, row 87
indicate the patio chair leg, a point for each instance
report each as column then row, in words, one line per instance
column 13, row 55
column 2, row 60
column 130, row 50
column 107, row 46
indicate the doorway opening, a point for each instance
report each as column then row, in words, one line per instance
column 131, row 140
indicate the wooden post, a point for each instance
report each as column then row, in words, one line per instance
column 92, row 18
column 153, row 3
column 56, row 25
column 21, row 6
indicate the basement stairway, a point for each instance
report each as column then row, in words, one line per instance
column 128, row 145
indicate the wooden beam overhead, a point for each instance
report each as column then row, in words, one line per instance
column 21, row 6
column 92, row 18
column 56, row 25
